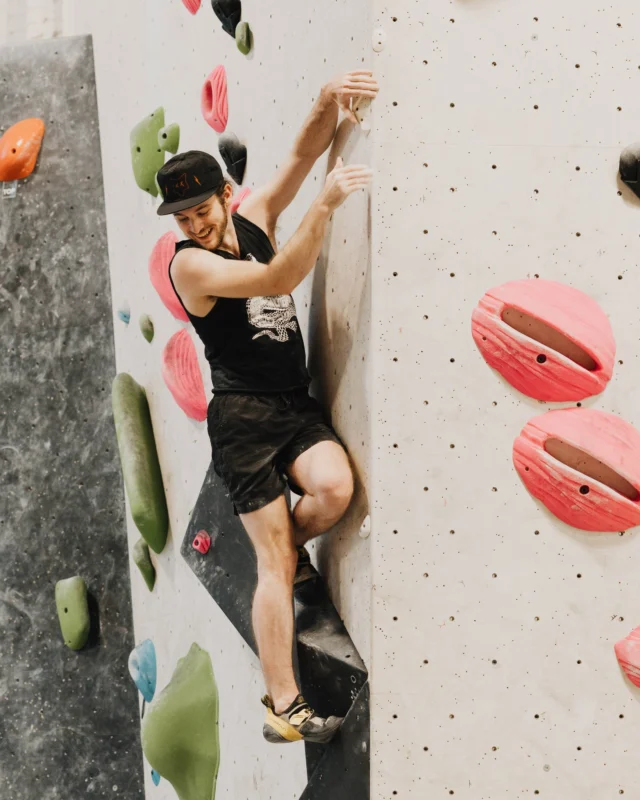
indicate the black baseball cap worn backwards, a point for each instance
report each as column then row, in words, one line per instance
column 188, row 179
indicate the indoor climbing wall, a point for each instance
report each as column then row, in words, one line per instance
column 496, row 140
column 152, row 55
column 69, row 719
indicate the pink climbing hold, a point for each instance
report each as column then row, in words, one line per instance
column 584, row 465
column 237, row 200
column 202, row 542
column 192, row 6
column 550, row 341
column 214, row 102
column 628, row 654
column 181, row 373
column 161, row 255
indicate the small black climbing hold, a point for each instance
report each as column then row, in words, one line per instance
column 629, row 159
column 234, row 155
column 541, row 359
column 229, row 12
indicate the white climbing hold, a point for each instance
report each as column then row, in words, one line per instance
column 365, row 528
column 361, row 107
column 379, row 39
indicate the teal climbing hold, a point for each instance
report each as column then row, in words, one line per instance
column 169, row 138
column 146, row 326
column 143, row 670
column 155, row 777
column 139, row 460
column 142, row 560
column 244, row 38
column 124, row 313
column 73, row 611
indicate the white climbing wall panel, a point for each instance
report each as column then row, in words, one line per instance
column 496, row 142
column 151, row 54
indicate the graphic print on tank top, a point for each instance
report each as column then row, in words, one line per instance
column 274, row 315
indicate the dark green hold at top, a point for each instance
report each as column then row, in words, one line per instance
column 229, row 12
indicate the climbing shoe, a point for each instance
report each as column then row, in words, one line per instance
column 296, row 723
column 305, row 570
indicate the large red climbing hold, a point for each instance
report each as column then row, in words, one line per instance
column 549, row 340
column 584, row 465
column 237, row 200
column 161, row 255
column 19, row 148
column 202, row 542
column 214, row 102
column 192, row 6
column 628, row 654
column 181, row 373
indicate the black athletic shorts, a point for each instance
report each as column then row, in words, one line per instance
column 255, row 436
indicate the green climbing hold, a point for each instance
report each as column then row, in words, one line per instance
column 146, row 155
column 142, row 560
column 180, row 730
column 73, row 611
column 169, row 138
column 139, row 459
column 244, row 38
column 146, row 326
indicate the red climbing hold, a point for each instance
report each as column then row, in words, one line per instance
column 192, row 6
column 181, row 373
column 237, row 200
column 159, row 261
column 628, row 654
column 214, row 103
column 202, row 542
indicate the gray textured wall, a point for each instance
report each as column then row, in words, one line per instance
column 68, row 721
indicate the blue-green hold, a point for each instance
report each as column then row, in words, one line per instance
column 143, row 669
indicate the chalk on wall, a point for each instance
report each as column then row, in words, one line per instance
column 214, row 101
column 584, row 465
column 73, row 611
column 549, row 340
column 159, row 260
column 19, row 148
column 234, row 155
column 143, row 669
column 181, row 373
column 139, row 460
column 180, row 730
column 142, row 560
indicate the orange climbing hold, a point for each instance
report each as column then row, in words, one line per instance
column 214, row 102
column 181, row 373
column 19, row 148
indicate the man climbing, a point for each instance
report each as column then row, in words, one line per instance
column 264, row 427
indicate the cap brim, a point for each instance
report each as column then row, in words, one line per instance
column 180, row 205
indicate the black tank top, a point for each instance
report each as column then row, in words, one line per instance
column 253, row 344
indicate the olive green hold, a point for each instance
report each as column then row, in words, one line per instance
column 169, row 138
column 142, row 560
column 146, row 326
column 139, row 460
column 73, row 611
column 146, row 155
column 180, row 729
column 244, row 38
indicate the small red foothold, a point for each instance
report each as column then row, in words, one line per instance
column 202, row 542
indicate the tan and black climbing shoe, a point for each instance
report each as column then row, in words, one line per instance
column 296, row 723
column 305, row 570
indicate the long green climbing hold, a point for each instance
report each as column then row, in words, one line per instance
column 73, row 611
column 146, row 326
column 180, row 729
column 142, row 560
column 244, row 38
column 139, row 459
